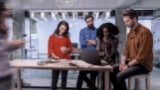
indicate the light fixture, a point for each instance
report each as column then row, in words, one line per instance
column 32, row 14
column 42, row 15
column 74, row 15
column 107, row 14
column 97, row 15
column 53, row 16
column 63, row 16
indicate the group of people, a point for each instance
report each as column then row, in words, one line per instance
column 60, row 47
column 136, row 59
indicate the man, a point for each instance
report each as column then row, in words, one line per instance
column 137, row 53
column 5, row 48
column 88, row 41
column 88, row 34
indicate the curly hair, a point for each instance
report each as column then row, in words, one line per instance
column 113, row 30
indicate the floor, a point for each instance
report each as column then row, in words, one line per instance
column 155, row 82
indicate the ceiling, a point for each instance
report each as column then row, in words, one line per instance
column 73, row 8
column 147, row 4
column 85, row 4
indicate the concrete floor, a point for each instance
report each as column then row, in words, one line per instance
column 155, row 82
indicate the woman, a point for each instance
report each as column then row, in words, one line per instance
column 59, row 47
column 107, row 44
column 5, row 48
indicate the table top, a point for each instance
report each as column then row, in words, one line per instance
column 60, row 64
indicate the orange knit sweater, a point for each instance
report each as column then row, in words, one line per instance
column 54, row 46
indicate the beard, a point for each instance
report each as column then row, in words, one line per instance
column 91, row 26
column 132, row 25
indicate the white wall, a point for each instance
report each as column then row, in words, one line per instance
column 156, row 33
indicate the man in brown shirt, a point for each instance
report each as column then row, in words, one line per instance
column 138, row 52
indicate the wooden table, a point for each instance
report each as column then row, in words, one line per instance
column 32, row 64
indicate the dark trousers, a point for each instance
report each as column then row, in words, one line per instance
column 55, row 74
column 118, row 77
column 90, row 81
column 5, row 83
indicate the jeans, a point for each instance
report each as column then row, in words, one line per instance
column 118, row 77
column 55, row 74
column 90, row 81
column 6, row 83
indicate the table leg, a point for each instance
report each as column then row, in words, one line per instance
column 137, row 84
column 19, row 84
column 107, row 84
column 99, row 82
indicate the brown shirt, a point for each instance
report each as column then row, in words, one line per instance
column 139, row 46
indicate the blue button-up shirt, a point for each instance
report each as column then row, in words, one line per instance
column 87, row 33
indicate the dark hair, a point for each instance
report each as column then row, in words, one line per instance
column 89, row 16
column 131, row 13
column 66, row 33
column 3, row 31
column 113, row 30
column 2, row 7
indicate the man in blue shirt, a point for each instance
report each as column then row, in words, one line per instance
column 87, row 41
column 88, row 34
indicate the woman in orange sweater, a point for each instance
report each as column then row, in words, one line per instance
column 59, row 47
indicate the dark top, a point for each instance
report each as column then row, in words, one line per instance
column 108, row 51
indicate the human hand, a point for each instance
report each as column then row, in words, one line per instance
column 103, row 62
column 122, row 66
column 53, row 56
column 64, row 49
column 18, row 42
column 56, row 57
column 91, row 42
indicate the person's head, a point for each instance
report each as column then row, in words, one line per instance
column 4, row 13
column 130, row 18
column 107, row 29
column 62, row 28
column 89, row 19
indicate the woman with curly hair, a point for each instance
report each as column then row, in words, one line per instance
column 107, row 44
